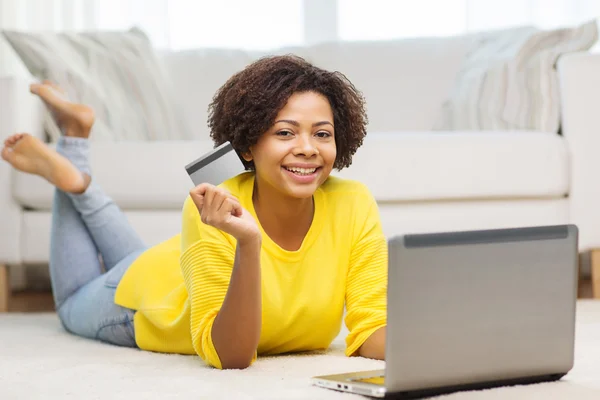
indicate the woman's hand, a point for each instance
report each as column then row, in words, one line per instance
column 220, row 209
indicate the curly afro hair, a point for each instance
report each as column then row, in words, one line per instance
column 246, row 106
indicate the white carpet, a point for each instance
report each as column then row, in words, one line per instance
column 38, row 360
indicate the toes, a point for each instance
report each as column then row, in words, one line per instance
column 46, row 90
column 51, row 96
column 35, row 88
column 13, row 139
column 54, row 86
column 16, row 138
column 6, row 154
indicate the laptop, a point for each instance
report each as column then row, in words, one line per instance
column 474, row 310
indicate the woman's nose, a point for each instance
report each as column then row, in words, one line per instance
column 306, row 146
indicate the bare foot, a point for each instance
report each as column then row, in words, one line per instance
column 29, row 154
column 74, row 119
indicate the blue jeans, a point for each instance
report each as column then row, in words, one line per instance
column 91, row 247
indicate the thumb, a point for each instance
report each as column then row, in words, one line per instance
column 234, row 207
column 237, row 210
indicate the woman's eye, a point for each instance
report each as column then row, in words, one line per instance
column 323, row 134
column 284, row 133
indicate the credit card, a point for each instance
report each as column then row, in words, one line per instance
column 216, row 166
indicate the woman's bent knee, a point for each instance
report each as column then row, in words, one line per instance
column 120, row 333
column 112, row 325
column 68, row 324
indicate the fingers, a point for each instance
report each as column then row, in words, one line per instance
column 209, row 197
column 214, row 204
column 197, row 194
column 219, row 200
column 230, row 205
column 201, row 189
column 206, row 192
column 225, row 201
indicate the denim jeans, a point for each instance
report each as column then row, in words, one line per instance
column 92, row 245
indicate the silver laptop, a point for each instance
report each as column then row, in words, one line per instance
column 474, row 310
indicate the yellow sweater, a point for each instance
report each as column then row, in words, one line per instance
column 178, row 286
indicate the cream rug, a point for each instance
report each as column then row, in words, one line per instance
column 38, row 360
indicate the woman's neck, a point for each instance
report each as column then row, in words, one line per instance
column 285, row 220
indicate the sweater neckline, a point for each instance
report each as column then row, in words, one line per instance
column 313, row 232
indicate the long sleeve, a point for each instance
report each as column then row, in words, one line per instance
column 207, row 257
column 366, row 287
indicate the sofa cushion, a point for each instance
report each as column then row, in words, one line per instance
column 397, row 167
column 137, row 175
column 405, row 82
column 152, row 226
column 116, row 73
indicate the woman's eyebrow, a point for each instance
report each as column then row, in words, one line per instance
column 296, row 123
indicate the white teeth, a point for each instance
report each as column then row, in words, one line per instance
column 301, row 171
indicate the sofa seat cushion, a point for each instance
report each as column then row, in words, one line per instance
column 397, row 167
column 137, row 175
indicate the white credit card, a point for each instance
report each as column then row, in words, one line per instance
column 216, row 166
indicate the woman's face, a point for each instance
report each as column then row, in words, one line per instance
column 296, row 155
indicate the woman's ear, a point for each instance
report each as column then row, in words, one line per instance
column 247, row 156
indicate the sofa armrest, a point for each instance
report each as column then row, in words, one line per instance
column 579, row 85
column 20, row 111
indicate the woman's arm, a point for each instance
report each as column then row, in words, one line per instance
column 220, row 262
column 374, row 346
column 236, row 330
column 366, row 285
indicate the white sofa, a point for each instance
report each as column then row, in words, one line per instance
column 424, row 180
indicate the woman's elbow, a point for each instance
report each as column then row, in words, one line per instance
column 237, row 363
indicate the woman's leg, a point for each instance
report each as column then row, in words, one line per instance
column 74, row 260
column 84, row 295
column 112, row 233
column 68, row 169
column 92, row 223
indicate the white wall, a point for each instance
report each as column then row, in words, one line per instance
column 77, row 15
column 264, row 24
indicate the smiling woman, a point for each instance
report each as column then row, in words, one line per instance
column 265, row 262
column 297, row 154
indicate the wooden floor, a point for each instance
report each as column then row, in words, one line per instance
column 43, row 302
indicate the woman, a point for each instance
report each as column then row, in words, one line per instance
column 264, row 263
